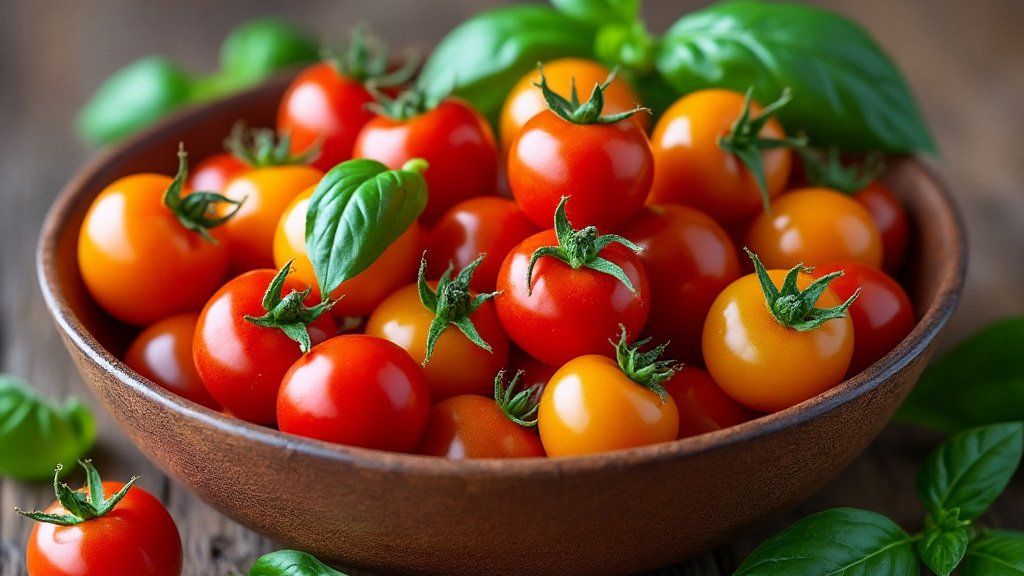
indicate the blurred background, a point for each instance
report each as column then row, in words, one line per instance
column 964, row 61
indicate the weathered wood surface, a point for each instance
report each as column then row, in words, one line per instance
column 964, row 60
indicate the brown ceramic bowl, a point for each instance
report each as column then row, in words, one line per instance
column 618, row 512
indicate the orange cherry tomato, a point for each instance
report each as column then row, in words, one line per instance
column 525, row 100
column 815, row 226
column 214, row 173
column 763, row 364
column 703, row 407
column 138, row 262
column 359, row 295
column 891, row 220
column 691, row 168
column 591, row 406
column 267, row 192
column 163, row 353
column 471, row 426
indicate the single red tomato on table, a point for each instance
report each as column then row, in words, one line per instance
column 703, row 406
column 162, row 352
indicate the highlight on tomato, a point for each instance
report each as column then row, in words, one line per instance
column 162, row 352
column 214, row 172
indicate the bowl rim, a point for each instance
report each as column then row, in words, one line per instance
column 924, row 332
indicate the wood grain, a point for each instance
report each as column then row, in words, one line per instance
column 965, row 62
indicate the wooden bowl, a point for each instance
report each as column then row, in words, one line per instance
column 618, row 512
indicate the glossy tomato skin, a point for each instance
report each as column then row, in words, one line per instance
column 359, row 295
column 605, row 169
column 570, row 312
column 458, row 366
column 590, row 406
column 764, row 365
column 356, row 390
column 453, row 138
column 138, row 537
column 214, row 172
column 702, row 405
column 692, row 169
column 882, row 315
column 526, row 100
column 815, row 226
column 890, row 218
column 267, row 193
column 485, row 225
column 163, row 353
column 469, row 426
column 241, row 363
column 323, row 106
column 137, row 260
column 689, row 260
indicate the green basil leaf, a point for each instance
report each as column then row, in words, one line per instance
column 842, row 541
column 358, row 209
column 600, row 12
column 995, row 553
column 846, row 91
column 980, row 381
column 970, row 470
column 253, row 50
column 942, row 548
column 482, row 58
column 291, row 563
column 35, row 436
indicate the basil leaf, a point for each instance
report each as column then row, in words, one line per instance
column 255, row 49
column 35, row 436
column 846, row 91
column 995, row 553
column 358, row 209
column 482, row 58
column 942, row 548
column 291, row 563
column 600, row 12
column 971, row 469
column 836, row 542
column 980, row 381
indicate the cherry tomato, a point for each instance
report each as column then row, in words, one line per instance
column 486, row 225
column 891, row 220
column 604, row 169
column 882, row 315
column 267, row 192
column 534, row 372
column 815, row 226
column 570, row 312
column 359, row 295
column 472, row 426
column 689, row 259
column 324, row 107
column 694, row 170
column 163, row 353
column 591, row 406
column 764, row 365
column 525, row 100
column 356, row 390
column 137, row 537
column 138, row 262
column 241, row 363
column 457, row 366
column 702, row 405
column 213, row 173
column 453, row 138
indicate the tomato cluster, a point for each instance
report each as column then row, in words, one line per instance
column 614, row 249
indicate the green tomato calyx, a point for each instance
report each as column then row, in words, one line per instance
column 580, row 249
column 367, row 58
column 196, row 210
column 452, row 303
column 794, row 308
column 520, row 407
column 826, row 169
column 290, row 313
column 263, row 148
column 81, row 507
column 745, row 142
column 588, row 112
column 644, row 368
column 406, row 106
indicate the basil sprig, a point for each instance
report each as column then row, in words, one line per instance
column 291, row 563
column 959, row 481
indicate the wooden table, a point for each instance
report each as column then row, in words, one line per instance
column 964, row 60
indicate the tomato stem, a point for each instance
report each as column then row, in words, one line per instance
column 452, row 304
column 588, row 112
column 290, row 313
column 794, row 308
column 826, row 169
column 263, row 148
column 81, row 507
column 644, row 368
column 406, row 106
column 194, row 210
column 366, row 59
column 519, row 407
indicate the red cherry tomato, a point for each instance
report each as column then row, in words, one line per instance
column 534, row 372
column 241, row 363
column 163, row 353
column 356, row 390
column 570, row 312
column 486, row 225
column 891, row 220
column 453, row 138
column 471, row 426
column 882, row 315
column 213, row 173
column 689, row 260
column 703, row 407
